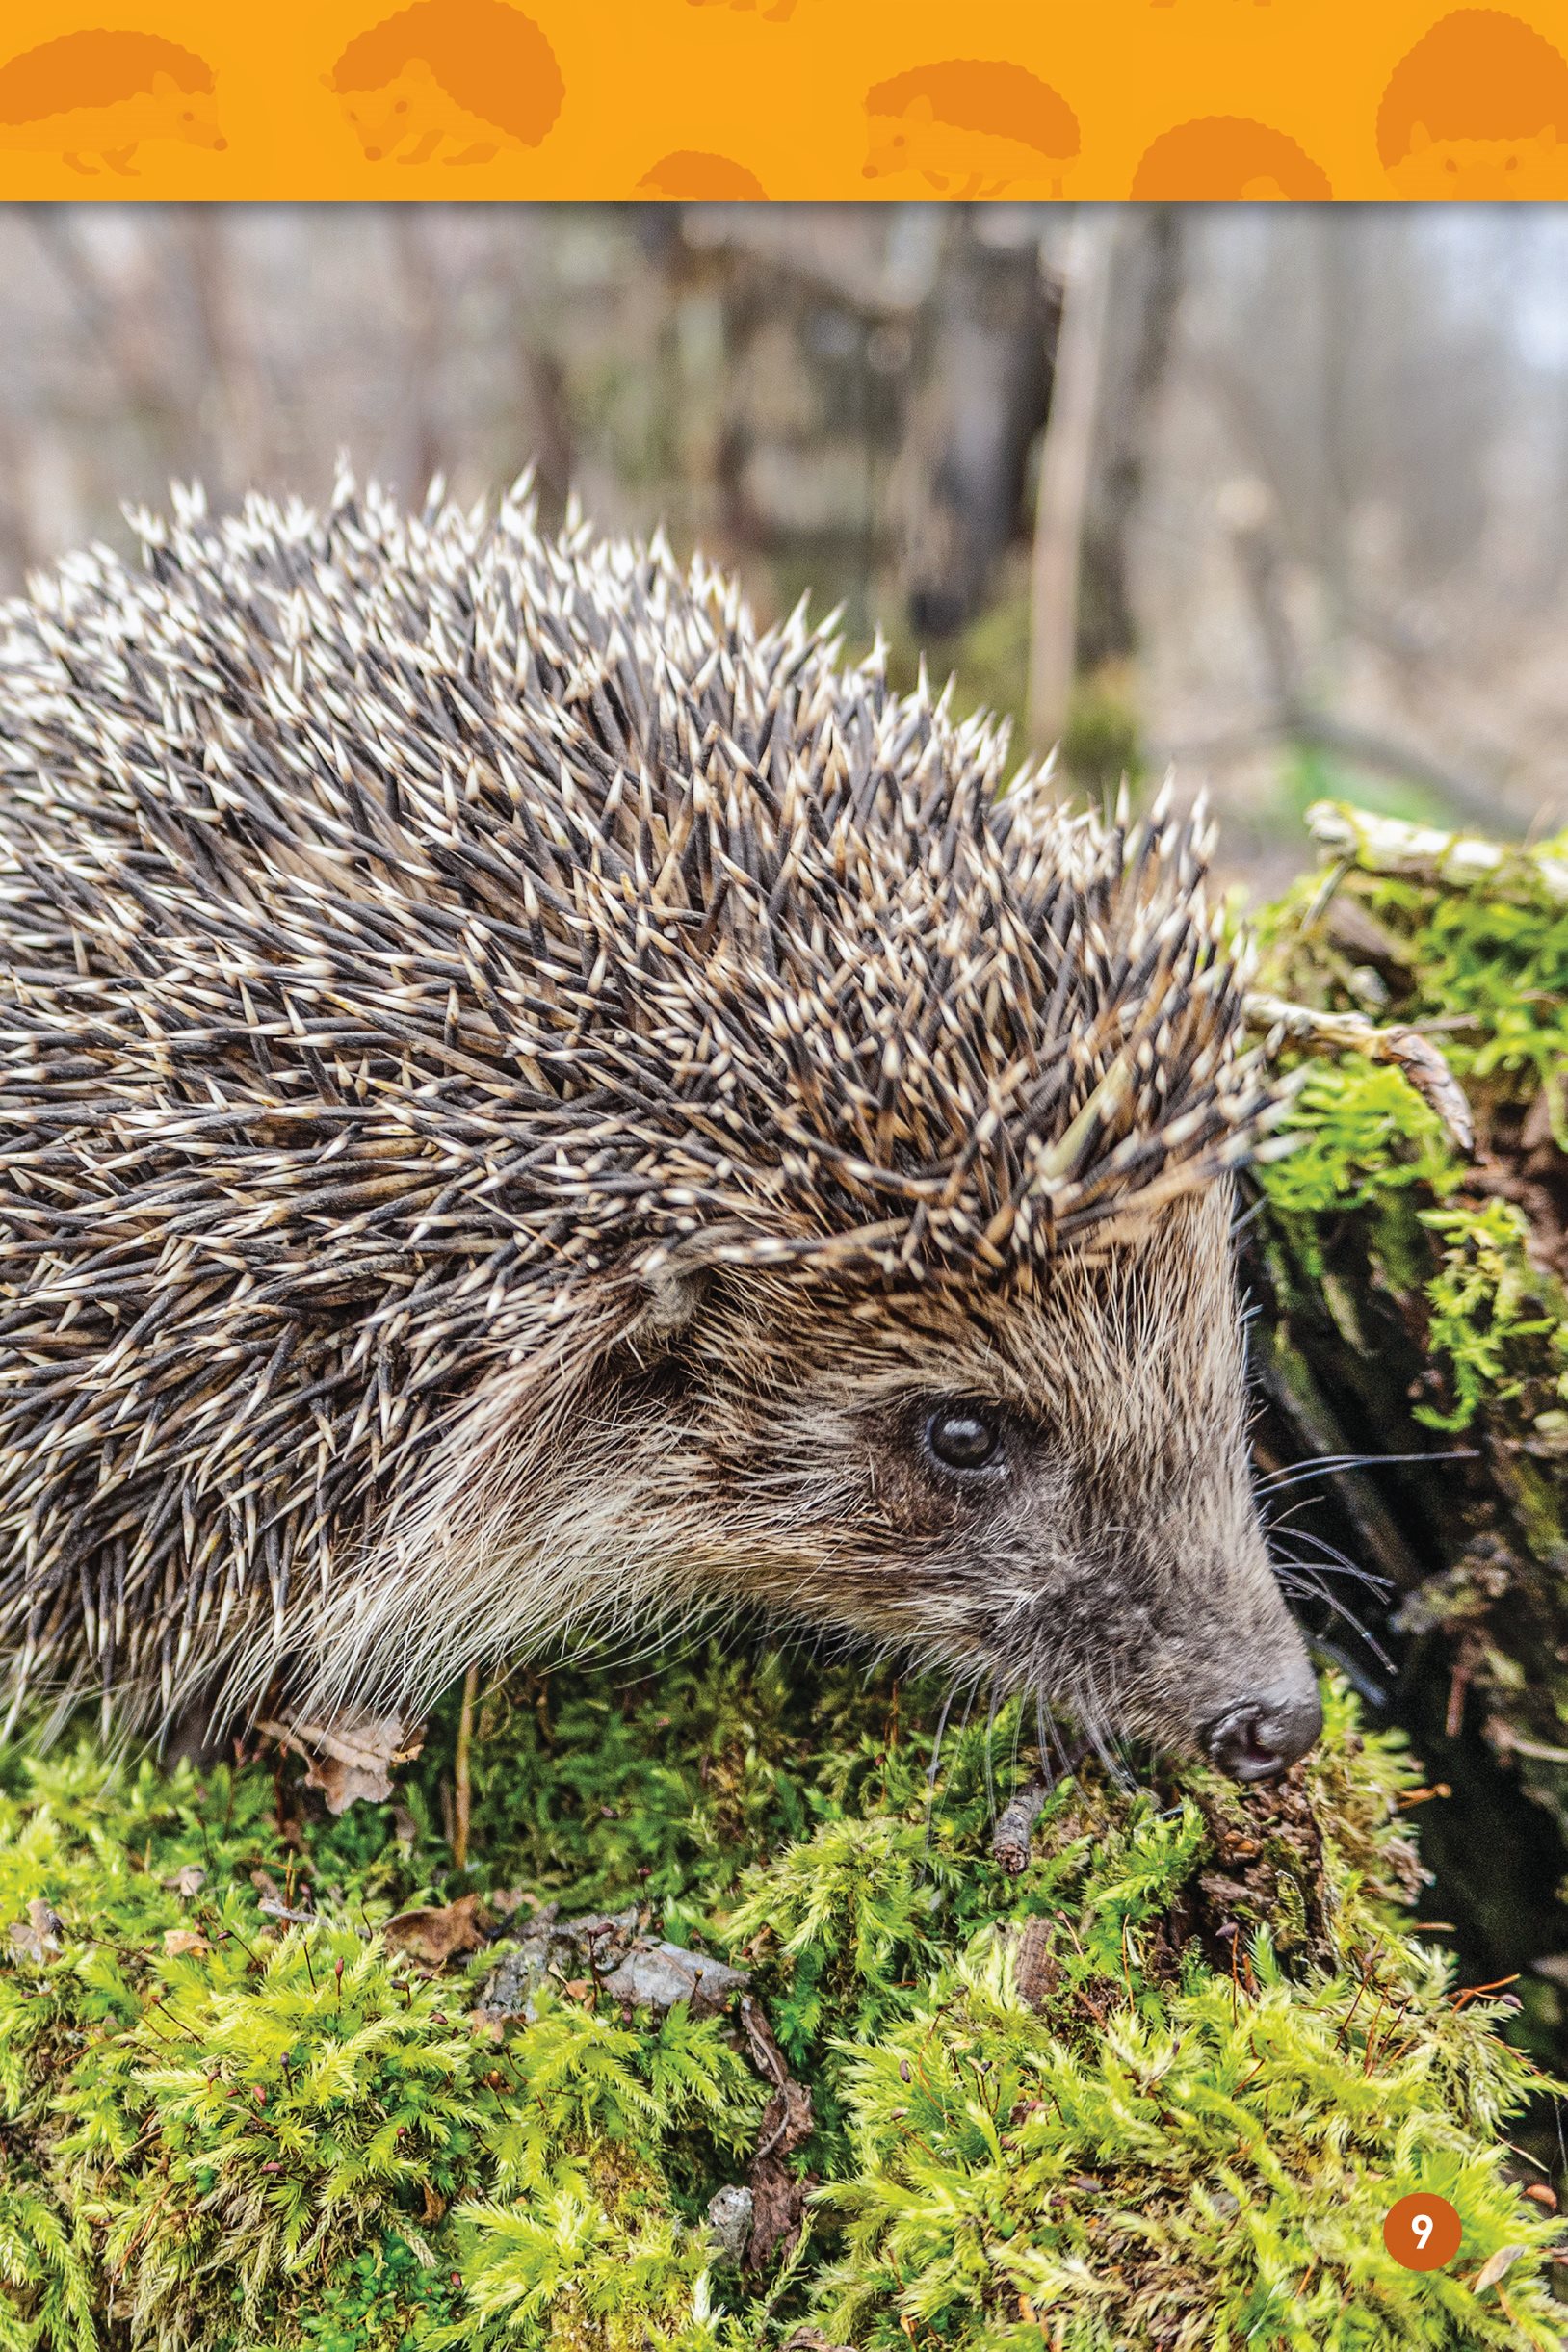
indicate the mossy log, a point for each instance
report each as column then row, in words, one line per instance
column 271, row 2078
column 1411, row 1326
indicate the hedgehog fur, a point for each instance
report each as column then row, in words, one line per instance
column 436, row 954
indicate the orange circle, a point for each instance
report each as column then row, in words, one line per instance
column 1422, row 2232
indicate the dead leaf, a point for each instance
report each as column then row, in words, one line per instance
column 187, row 1882
column 1541, row 1118
column 180, row 1940
column 766, row 2055
column 1433, row 1080
column 778, row 2205
column 350, row 1758
column 1496, row 2266
column 38, row 1936
column 435, row 2204
column 437, row 1934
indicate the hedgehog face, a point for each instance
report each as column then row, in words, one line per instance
column 1043, row 1489
column 1481, row 170
column 387, row 118
column 192, row 117
column 1048, row 1490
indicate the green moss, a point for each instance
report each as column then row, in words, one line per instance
column 1479, row 960
column 1489, row 1317
column 226, row 2129
column 1217, row 2175
column 1481, row 947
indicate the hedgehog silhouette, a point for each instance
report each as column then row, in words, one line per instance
column 530, row 1104
column 1478, row 106
column 401, row 80
column 970, row 126
column 100, row 93
column 689, row 175
column 1218, row 159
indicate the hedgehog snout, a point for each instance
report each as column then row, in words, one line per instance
column 1265, row 1734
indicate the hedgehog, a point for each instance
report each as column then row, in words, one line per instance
column 1223, row 159
column 536, row 1110
column 969, row 127
column 100, row 94
column 477, row 73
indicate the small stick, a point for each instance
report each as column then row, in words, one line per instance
column 1011, row 1844
column 462, row 1788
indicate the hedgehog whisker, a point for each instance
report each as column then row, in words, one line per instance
column 1300, row 1576
column 1335, row 1562
column 1332, row 1464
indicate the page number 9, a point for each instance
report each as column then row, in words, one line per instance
column 1422, row 2232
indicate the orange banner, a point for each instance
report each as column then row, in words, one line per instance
column 1209, row 99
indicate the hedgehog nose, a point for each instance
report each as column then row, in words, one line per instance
column 1265, row 1736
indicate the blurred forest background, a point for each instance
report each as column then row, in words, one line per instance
column 1278, row 493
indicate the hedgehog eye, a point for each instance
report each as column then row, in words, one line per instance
column 963, row 1437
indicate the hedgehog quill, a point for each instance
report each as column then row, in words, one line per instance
column 531, row 1105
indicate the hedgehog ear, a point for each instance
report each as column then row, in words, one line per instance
column 671, row 1288
column 672, row 1283
column 672, row 1295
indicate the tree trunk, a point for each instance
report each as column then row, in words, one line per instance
column 1066, row 467
column 1145, row 303
column 984, row 383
